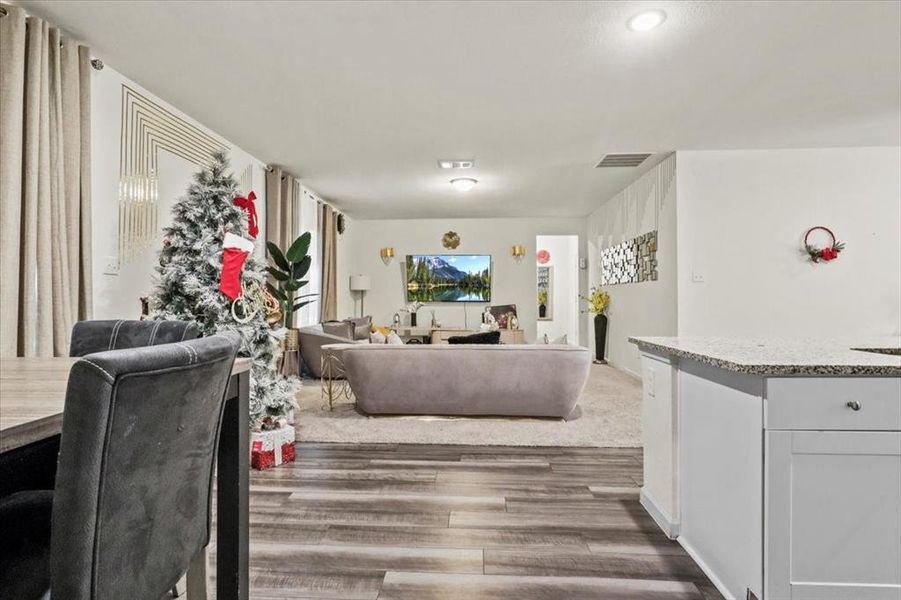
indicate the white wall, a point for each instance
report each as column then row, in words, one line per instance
column 564, row 297
column 117, row 296
column 742, row 215
column 649, row 307
column 513, row 282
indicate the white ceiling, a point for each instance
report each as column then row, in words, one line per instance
column 360, row 98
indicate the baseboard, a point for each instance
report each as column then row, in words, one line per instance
column 669, row 526
column 689, row 549
column 623, row 369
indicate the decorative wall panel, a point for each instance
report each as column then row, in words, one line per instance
column 147, row 128
column 631, row 261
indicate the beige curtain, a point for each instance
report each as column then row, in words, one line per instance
column 45, row 186
column 328, row 234
column 281, row 190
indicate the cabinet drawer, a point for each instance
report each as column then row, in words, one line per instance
column 829, row 402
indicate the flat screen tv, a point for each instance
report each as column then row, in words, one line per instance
column 448, row 277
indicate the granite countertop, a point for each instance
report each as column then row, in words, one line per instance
column 780, row 357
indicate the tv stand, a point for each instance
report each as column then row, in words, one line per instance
column 439, row 335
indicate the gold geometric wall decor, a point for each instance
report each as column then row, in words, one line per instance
column 148, row 128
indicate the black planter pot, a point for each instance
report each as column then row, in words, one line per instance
column 600, row 337
column 542, row 311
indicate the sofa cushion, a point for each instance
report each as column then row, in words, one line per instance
column 360, row 327
column 485, row 337
column 394, row 339
column 377, row 337
column 342, row 329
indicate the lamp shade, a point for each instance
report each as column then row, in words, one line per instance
column 360, row 283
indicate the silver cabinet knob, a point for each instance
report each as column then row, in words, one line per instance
column 853, row 405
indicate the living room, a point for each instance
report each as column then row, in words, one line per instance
column 408, row 300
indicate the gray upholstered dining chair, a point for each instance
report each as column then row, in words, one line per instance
column 131, row 505
column 96, row 336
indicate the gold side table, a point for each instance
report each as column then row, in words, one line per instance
column 334, row 384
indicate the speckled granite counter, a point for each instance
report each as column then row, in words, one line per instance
column 780, row 357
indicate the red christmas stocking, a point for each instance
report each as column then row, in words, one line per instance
column 235, row 250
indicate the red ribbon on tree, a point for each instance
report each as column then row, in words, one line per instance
column 248, row 205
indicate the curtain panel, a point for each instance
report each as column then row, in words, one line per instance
column 328, row 233
column 281, row 200
column 45, row 186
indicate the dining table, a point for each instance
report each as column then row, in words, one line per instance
column 32, row 398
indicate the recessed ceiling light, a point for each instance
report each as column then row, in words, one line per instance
column 645, row 21
column 463, row 184
column 464, row 163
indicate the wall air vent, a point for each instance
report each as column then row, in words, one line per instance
column 622, row 160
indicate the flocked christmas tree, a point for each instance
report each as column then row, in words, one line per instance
column 190, row 270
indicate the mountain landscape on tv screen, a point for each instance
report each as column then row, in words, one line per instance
column 448, row 278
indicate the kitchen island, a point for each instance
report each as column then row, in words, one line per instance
column 777, row 464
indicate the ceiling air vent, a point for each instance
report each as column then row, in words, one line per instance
column 622, row 160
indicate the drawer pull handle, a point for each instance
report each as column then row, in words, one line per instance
column 853, row 404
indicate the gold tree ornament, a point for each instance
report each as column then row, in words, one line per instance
column 451, row 240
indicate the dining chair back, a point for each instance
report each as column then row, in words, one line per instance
column 98, row 336
column 131, row 506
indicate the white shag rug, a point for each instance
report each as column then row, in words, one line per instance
column 610, row 417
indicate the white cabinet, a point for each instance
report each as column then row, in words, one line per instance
column 833, row 515
column 659, row 417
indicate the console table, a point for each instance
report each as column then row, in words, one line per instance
column 439, row 335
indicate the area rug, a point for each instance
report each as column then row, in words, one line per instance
column 610, row 416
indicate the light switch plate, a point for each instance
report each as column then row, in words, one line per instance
column 112, row 265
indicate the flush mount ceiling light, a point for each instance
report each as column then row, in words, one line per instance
column 463, row 184
column 458, row 163
column 647, row 20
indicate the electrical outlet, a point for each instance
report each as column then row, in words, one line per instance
column 697, row 276
column 112, row 265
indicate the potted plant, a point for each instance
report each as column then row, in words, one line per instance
column 542, row 303
column 598, row 301
column 288, row 270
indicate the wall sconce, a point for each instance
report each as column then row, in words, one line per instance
column 518, row 252
column 387, row 254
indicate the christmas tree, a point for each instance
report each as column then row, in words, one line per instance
column 190, row 270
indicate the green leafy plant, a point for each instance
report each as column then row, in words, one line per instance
column 542, row 297
column 289, row 269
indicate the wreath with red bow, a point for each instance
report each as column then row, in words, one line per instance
column 826, row 253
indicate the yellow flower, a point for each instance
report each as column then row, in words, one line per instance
column 598, row 301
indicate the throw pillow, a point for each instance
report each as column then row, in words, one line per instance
column 385, row 331
column 394, row 339
column 342, row 329
column 377, row 337
column 360, row 327
column 487, row 337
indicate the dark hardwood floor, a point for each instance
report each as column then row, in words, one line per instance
column 417, row 522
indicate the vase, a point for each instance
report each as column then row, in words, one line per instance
column 542, row 311
column 290, row 361
column 600, row 338
column 412, row 319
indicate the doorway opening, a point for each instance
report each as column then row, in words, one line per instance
column 557, row 288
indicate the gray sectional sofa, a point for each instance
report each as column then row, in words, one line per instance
column 505, row 380
column 312, row 339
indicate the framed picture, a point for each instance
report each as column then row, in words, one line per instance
column 502, row 313
column 545, row 283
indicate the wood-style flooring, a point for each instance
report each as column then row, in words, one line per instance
column 421, row 522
